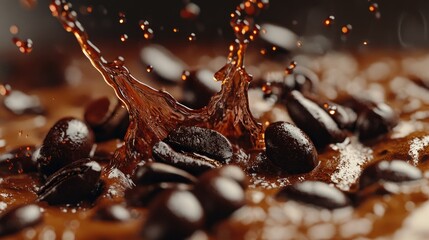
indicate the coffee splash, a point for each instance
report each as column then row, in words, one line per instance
column 154, row 113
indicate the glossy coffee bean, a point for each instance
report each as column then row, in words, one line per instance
column 203, row 141
column 219, row 196
column 174, row 214
column 313, row 120
column 199, row 87
column 76, row 182
column 344, row 116
column 389, row 171
column 189, row 162
column 19, row 218
column 376, row 121
column 113, row 213
column 229, row 171
column 166, row 66
column 289, row 148
column 19, row 160
column 107, row 117
column 142, row 196
column 315, row 193
column 154, row 172
column 68, row 140
column 21, row 103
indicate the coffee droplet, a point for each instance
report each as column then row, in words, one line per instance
column 147, row 30
column 124, row 37
column 290, row 68
column 190, row 11
column 346, row 29
column 192, row 37
column 185, row 75
column 122, row 18
column 329, row 21
column 149, row 68
column 13, row 29
column 24, row 46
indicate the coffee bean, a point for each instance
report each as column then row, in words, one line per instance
column 375, row 122
column 219, row 196
column 345, row 117
column 315, row 193
column 21, row 103
column 142, row 196
column 153, row 172
column 68, row 140
column 203, row 141
column 174, row 214
column 389, row 171
column 76, row 182
column 113, row 213
column 282, row 38
column 166, row 66
column 289, row 148
column 199, row 87
column 187, row 161
column 313, row 120
column 107, row 117
column 18, row 160
column 19, row 218
column 302, row 79
column 232, row 172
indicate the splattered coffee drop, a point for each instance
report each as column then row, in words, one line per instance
column 313, row 120
column 24, row 46
column 68, row 140
column 314, row 193
column 290, row 148
column 389, row 171
column 19, row 218
column 203, row 141
column 72, row 184
column 174, row 214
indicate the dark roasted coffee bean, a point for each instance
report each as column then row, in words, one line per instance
column 219, row 196
column 203, row 141
column 289, row 148
column 107, row 117
column 18, row 218
column 189, row 162
column 302, row 79
column 68, row 140
column 113, row 213
column 345, row 117
column 153, row 172
column 229, row 171
column 142, row 196
column 76, row 182
column 389, row 171
column 166, row 66
column 314, row 193
column 174, row 214
column 376, row 121
column 21, row 103
column 313, row 120
column 199, row 87
column 19, row 160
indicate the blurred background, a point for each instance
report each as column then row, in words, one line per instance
column 309, row 26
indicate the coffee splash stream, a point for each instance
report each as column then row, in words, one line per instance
column 154, row 113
